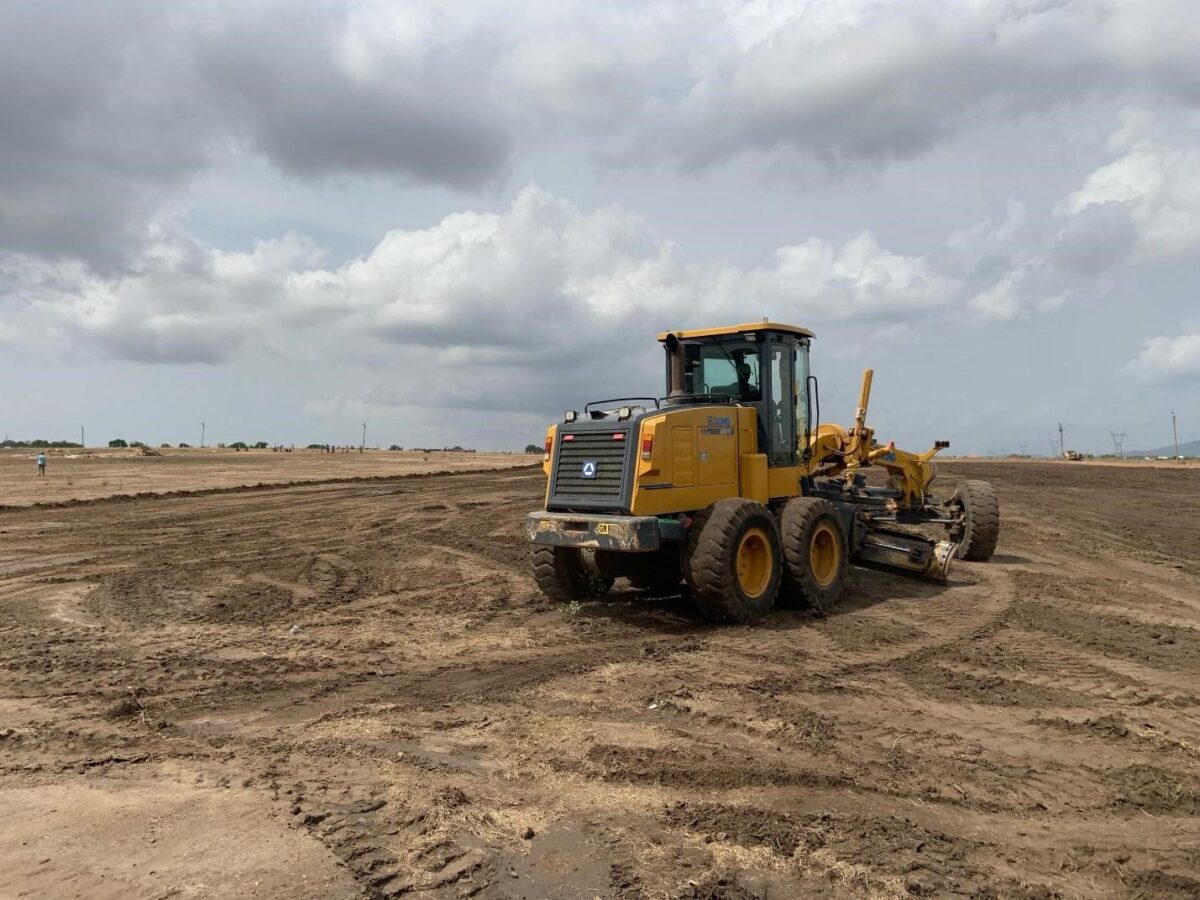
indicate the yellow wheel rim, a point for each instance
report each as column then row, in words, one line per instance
column 824, row 554
column 754, row 562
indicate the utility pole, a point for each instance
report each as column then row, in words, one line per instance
column 1175, row 431
column 363, row 446
column 1118, row 442
column 82, row 442
column 1062, row 447
column 202, row 425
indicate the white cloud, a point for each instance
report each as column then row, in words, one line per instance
column 182, row 303
column 545, row 267
column 1159, row 189
column 475, row 298
column 1000, row 301
column 1168, row 358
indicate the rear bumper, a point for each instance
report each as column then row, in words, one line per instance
column 627, row 534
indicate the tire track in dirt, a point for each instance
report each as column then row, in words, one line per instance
column 1017, row 732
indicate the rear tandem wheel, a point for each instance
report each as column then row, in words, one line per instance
column 815, row 554
column 732, row 562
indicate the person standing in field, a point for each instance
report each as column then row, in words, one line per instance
column 41, row 461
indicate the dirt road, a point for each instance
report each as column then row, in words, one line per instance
column 432, row 727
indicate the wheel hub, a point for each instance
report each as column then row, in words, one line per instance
column 824, row 554
column 754, row 563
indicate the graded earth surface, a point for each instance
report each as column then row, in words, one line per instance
column 73, row 474
column 342, row 690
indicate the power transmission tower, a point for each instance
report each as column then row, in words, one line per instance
column 1118, row 443
column 363, row 446
column 1175, row 431
column 1062, row 447
column 202, row 426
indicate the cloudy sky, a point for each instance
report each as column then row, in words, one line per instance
column 453, row 221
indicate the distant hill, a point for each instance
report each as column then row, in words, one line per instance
column 1191, row 448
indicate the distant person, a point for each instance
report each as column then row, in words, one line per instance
column 41, row 463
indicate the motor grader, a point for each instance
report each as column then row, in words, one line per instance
column 732, row 486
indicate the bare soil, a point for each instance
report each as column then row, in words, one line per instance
column 353, row 690
column 73, row 475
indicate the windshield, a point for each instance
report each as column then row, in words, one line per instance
column 727, row 369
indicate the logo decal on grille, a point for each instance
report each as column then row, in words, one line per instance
column 588, row 470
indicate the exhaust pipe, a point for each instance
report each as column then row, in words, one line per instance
column 895, row 550
column 675, row 351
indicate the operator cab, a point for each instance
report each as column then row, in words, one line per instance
column 762, row 364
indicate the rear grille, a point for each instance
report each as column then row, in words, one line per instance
column 590, row 446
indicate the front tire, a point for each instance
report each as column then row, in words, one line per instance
column 560, row 575
column 733, row 563
column 980, row 529
column 815, row 554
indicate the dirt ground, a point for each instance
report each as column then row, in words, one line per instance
column 353, row 690
column 88, row 475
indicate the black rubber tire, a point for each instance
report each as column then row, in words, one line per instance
column 981, row 520
column 710, row 560
column 797, row 522
column 561, row 577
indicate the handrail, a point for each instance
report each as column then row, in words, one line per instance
column 587, row 406
column 716, row 399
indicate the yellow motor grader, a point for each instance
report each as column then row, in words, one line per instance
column 732, row 486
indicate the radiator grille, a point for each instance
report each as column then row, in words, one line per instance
column 609, row 457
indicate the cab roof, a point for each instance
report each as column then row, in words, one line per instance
column 737, row 329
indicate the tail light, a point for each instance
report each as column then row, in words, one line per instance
column 647, row 447
column 549, row 445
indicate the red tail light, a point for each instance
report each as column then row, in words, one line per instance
column 647, row 446
column 549, row 446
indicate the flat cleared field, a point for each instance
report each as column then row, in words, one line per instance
column 77, row 475
column 432, row 727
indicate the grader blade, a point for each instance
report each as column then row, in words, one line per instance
column 896, row 550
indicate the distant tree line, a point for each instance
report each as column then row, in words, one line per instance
column 40, row 442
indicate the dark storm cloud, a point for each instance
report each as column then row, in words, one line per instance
column 330, row 89
column 108, row 110
column 97, row 126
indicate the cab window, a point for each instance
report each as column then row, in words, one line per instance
column 729, row 369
